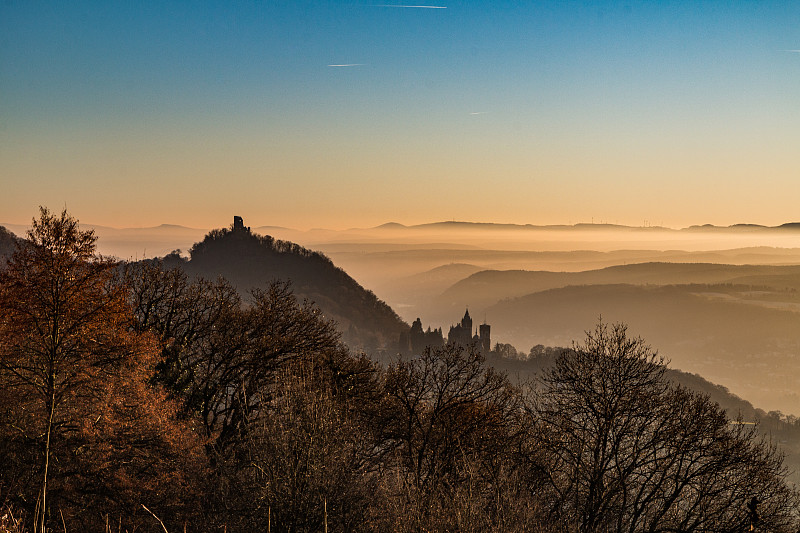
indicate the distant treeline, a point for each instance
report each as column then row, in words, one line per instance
column 144, row 399
column 277, row 245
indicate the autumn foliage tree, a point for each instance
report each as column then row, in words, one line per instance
column 267, row 379
column 83, row 418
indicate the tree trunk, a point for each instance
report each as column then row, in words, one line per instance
column 43, row 509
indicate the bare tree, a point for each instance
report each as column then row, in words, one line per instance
column 218, row 353
column 305, row 463
column 182, row 313
column 629, row 452
column 453, row 424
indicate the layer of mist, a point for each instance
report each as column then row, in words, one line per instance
column 718, row 301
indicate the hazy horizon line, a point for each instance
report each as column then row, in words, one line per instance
column 422, row 225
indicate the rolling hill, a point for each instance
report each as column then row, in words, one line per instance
column 8, row 243
column 249, row 260
column 489, row 286
column 781, row 430
column 730, row 334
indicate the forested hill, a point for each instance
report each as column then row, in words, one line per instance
column 248, row 260
column 8, row 243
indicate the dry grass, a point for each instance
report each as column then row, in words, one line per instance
column 9, row 522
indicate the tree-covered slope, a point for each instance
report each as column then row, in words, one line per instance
column 741, row 337
column 784, row 430
column 8, row 243
column 248, row 260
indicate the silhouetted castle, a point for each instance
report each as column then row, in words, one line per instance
column 462, row 334
column 238, row 224
column 414, row 341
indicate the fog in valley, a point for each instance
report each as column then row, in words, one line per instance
column 353, row 266
column 718, row 301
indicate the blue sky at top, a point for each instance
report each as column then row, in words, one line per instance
column 685, row 112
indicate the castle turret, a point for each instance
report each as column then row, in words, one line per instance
column 461, row 333
column 238, row 224
column 466, row 322
column 485, row 338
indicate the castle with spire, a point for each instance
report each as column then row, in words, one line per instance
column 462, row 334
column 414, row 341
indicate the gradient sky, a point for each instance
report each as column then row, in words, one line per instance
column 142, row 113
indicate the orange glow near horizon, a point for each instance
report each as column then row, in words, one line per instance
column 531, row 114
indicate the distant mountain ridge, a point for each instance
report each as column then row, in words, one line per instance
column 578, row 225
column 156, row 241
column 489, row 286
column 20, row 229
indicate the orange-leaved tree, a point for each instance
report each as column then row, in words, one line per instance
column 68, row 355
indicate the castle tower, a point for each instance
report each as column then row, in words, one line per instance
column 485, row 338
column 238, row 225
column 461, row 333
column 466, row 322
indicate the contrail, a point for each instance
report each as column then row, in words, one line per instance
column 348, row 65
column 411, row 7
column 795, row 51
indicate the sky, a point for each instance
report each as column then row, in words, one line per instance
column 352, row 114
